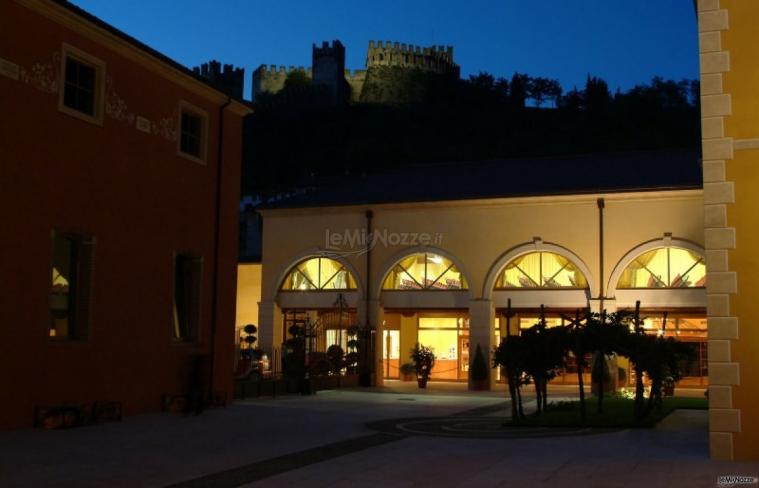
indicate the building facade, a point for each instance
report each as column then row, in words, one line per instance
column 444, row 271
column 729, row 104
column 120, row 190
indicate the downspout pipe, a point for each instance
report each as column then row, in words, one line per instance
column 216, row 239
column 368, row 346
column 601, row 205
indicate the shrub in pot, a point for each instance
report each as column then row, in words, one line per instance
column 424, row 360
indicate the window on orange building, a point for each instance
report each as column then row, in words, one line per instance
column 81, row 93
column 70, row 287
column 193, row 128
column 187, row 283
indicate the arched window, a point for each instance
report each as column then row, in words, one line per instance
column 665, row 267
column 319, row 274
column 541, row 270
column 425, row 271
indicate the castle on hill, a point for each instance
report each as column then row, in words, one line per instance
column 328, row 67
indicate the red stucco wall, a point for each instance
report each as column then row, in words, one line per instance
column 140, row 201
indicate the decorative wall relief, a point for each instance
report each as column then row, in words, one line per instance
column 45, row 77
column 115, row 106
column 166, row 127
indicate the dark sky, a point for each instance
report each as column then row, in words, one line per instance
column 623, row 41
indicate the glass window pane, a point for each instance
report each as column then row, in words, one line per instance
column 559, row 272
column 191, row 134
column 442, row 342
column 522, row 272
column 425, row 271
column 442, row 274
column 528, row 322
column 79, row 86
column 649, row 270
column 438, row 322
column 541, row 269
column 415, row 269
column 665, row 267
column 319, row 274
column 62, row 287
column 328, row 270
column 687, row 269
column 310, row 271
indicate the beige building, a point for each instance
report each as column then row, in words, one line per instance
column 453, row 245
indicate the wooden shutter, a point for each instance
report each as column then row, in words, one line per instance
column 84, row 288
column 195, row 283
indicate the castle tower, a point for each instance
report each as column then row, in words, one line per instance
column 230, row 80
column 328, row 69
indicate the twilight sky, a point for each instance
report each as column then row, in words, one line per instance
column 623, row 41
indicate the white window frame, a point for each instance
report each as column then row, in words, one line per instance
column 69, row 51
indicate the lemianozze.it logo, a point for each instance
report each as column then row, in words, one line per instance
column 357, row 241
column 736, row 480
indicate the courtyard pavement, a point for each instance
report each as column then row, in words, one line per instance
column 323, row 441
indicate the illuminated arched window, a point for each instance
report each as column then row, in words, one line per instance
column 541, row 270
column 665, row 267
column 319, row 274
column 425, row 271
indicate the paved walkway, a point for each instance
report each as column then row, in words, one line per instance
column 323, row 440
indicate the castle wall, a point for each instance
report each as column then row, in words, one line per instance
column 271, row 79
column 356, row 80
column 329, row 60
column 438, row 59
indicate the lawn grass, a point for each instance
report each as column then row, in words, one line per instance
column 617, row 413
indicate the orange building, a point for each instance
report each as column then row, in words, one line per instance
column 729, row 104
column 119, row 180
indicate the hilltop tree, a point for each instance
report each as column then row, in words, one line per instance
column 541, row 89
column 520, row 84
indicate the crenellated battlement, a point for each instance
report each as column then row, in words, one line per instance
column 281, row 70
column 328, row 60
column 438, row 59
column 227, row 78
column 272, row 78
column 327, row 50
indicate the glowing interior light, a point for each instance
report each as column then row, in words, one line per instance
column 435, row 258
column 648, row 323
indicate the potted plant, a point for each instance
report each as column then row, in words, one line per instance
column 408, row 372
column 249, row 339
column 424, row 360
column 479, row 371
column 668, row 386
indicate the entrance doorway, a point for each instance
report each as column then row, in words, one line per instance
column 446, row 332
column 391, row 354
